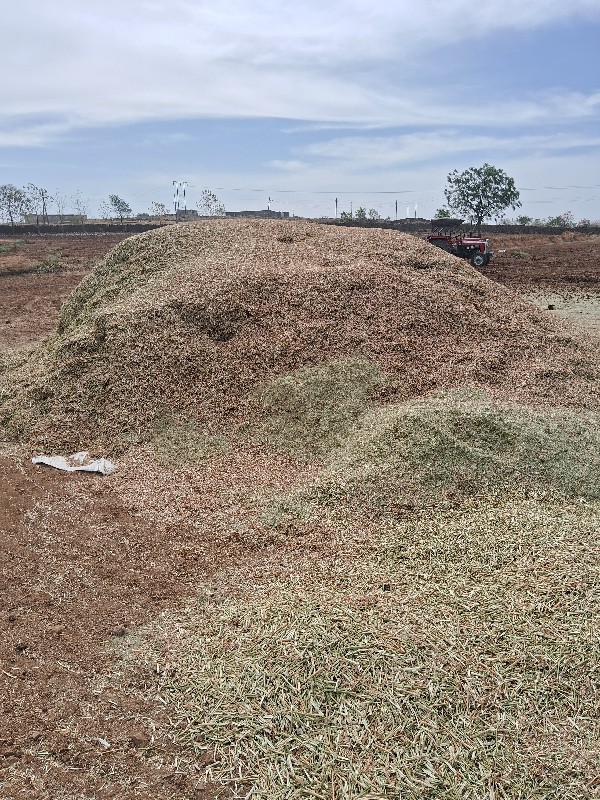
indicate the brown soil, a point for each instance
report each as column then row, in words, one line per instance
column 569, row 262
column 36, row 275
column 82, row 569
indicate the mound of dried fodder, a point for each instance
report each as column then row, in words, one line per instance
column 447, row 448
column 447, row 656
column 194, row 318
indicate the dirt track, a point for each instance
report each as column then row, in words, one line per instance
column 79, row 571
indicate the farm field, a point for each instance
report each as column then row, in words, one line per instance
column 378, row 577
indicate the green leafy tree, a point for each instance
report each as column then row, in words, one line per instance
column 360, row 215
column 119, row 207
column 209, row 205
column 443, row 213
column 14, row 203
column 524, row 220
column 374, row 215
column 481, row 193
column 566, row 220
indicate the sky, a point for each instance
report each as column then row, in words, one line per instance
column 291, row 105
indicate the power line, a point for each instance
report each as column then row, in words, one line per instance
column 379, row 191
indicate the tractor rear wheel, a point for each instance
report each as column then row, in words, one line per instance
column 478, row 259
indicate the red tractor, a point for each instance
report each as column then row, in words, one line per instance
column 447, row 234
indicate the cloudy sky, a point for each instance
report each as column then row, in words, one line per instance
column 295, row 104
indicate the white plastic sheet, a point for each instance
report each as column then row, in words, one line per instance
column 77, row 462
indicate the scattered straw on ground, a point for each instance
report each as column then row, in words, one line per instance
column 446, row 651
column 448, row 656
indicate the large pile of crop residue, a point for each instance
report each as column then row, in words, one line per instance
column 198, row 317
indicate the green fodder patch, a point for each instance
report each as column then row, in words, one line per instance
column 455, row 656
column 311, row 411
column 51, row 262
column 11, row 246
column 446, row 449
column 179, row 442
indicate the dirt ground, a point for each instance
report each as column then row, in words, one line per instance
column 36, row 275
column 80, row 572
column 560, row 274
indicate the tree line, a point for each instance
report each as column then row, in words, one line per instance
column 16, row 204
column 477, row 194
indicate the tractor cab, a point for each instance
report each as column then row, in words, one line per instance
column 446, row 233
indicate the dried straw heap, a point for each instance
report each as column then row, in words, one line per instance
column 195, row 318
column 410, row 612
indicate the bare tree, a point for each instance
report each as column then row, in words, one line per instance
column 210, row 205
column 80, row 205
column 38, row 200
column 158, row 210
column 60, row 203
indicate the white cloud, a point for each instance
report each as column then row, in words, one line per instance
column 315, row 66
column 114, row 62
column 386, row 151
column 30, row 134
column 290, row 165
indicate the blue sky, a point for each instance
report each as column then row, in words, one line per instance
column 302, row 102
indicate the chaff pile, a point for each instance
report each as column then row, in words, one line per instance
column 197, row 317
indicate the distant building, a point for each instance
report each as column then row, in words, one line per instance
column 265, row 214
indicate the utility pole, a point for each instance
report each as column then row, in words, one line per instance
column 179, row 188
column 396, row 210
column 336, row 202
